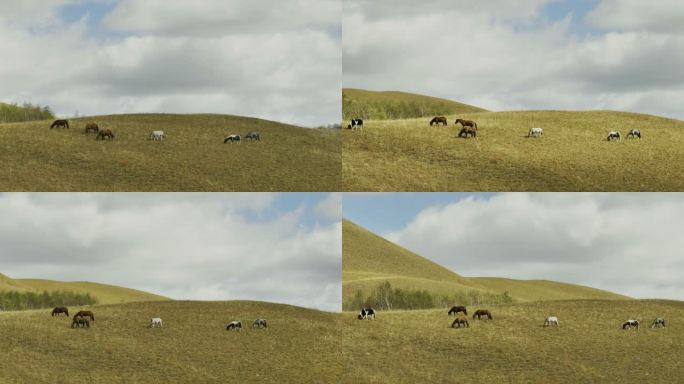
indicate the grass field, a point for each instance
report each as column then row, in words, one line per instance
column 193, row 157
column 588, row 347
column 574, row 155
column 300, row 345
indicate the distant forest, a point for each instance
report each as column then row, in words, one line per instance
column 13, row 113
column 20, row 301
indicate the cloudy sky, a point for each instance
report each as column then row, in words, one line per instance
column 523, row 54
column 258, row 246
column 274, row 59
column 626, row 243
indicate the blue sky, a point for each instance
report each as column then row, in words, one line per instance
column 96, row 11
column 560, row 9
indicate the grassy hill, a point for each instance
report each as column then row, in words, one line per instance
column 358, row 103
column 588, row 347
column 574, row 155
column 193, row 157
column 368, row 260
column 300, row 345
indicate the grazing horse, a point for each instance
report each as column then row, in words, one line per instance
column 439, row 120
column 460, row 322
column 234, row 325
column 261, row 323
column 58, row 310
column 232, row 139
column 466, row 123
column 465, row 131
column 634, row 134
column 658, row 322
column 156, row 322
column 80, row 322
column 105, row 134
column 631, row 324
column 85, row 314
column 535, row 132
column 60, row 124
column 551, row 320
column 482, row 312
column 614, row 135
column 253, row 136
column 91, row 127
column 455, row 310
column 355, row 124
column 366, row 314
column 157, row 135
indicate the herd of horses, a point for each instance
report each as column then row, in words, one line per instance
column 469, row 129
column 107, row 134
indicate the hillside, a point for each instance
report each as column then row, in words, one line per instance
column 192, row 158
column 368, row 260
column 103, row 293
column 574, row 155
column 358, row 103
column 300, row 345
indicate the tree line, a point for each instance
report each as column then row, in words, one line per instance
column 392, row 110
column 20, row 301
column 13, row 113
column 385, row 297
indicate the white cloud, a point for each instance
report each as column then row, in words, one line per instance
column 331, row 206
column 627, row 243
column 663, row 16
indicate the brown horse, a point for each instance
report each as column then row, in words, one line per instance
column 85, row 314
column 58, row 310
column 461, row 322
column 459, row 308
column 60, row 124
column 482, row 312
column 466, row 123
column 439, row 120
column 105, row 134
column 465, row 131
column 80, row 322
column 91, row 127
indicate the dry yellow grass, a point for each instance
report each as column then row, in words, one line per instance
column 193, row 157
column 574, row 155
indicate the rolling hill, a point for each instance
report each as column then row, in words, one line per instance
column 300, row 345
column 192, row 158
column 368, row 260
column 574, row 155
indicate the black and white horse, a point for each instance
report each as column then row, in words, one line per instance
column 260, row 323
column 551, row 320
column 614, row 135
column 634, row 134
column 232, row 139
column 658, row 322
column 234, row 325
column 253, row 136
column 366, row 314
column 631, row 324
column 355, row 124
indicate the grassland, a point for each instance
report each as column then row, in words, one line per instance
column 588, row 347
column 193, row 157
column 574, row 155
column 300, row 345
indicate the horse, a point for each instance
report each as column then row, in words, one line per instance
column 634, row 134
column 551, row 320
column 658, row 322
column 535, row 132
column 91, row 127
column 355, row 124
column 461, row 322
column 631, row 324
column 85, row 314
column 234, row 325
column 465, row 131
column 105, row 134
column 261, row 323
column 253, row 136
column 482, row 312
column 58, row 310
column 156, row 322
column 60, row 124
column 80, row 322
column 466, row 123
column 232, row 139
column 455, row 310
column 366, row 314
column 614, row 135
column 439, row 120
column 157, row 135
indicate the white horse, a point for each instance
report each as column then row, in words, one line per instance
column 157, row 135
column 535, row 132
column 156, row 322
column 631, row 324
column 658, row 322
column 551, row 320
